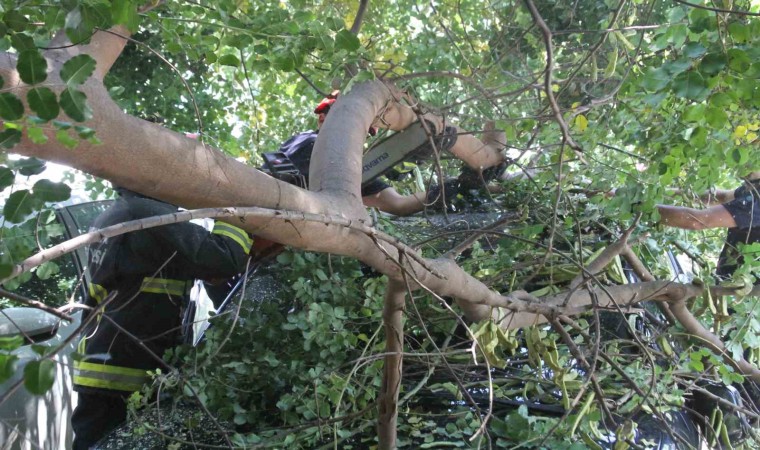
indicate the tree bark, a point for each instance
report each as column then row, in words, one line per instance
column 394, row 346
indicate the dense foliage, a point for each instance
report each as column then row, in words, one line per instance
column 655, row 94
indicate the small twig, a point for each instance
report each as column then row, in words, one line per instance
column 310, row 83
column 720, row 10
column 547, row 34
column 35, row 304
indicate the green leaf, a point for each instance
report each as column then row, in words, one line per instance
column 694, row 113
column 40, row 349
column 690, row 85
column 720, row 100
column 10, row 343
column 50, row 191
column 5, row 270
column 655, row 79
column 716, row 117
column 11, row 107
column 124, row 12
column 34, row 120
column 285, row 258
column 18, row 206
column 30, row 166
column 365, row 75
column 9, row 138
column 65, row 138
column 31, row 66
column 43, row 102
column 61, row 124
column 39, row 376
column 285, row 61
column 96, row 15
column 21, row 42
column 84, row 132
column 334, row 23
column 77, row 70
column 76, row 28
column 324, row 41
column 116, row 91
column 74, row 104
column 229, row 60
column 677, row 66
column 713, row 63
column 36, row 135
column 738, row 60
column 739, row 32
column 694, row 50
column 6, row 179
column 3, row 30
column 47, row 270
column 15, row 20
column 7, row 366
column 346, row 40
column 677, row 35
column 701, row 20
column 55, row 18
column 736, row 155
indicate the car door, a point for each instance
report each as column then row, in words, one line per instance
column 29, row 421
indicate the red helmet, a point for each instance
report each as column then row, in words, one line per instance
column 326, row 103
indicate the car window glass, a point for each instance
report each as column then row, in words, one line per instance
column 58, row 281
column 84, row 214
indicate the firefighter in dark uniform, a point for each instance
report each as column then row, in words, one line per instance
column 736, row 210
column 745, row 209
column 145, row 277
column 377, row 193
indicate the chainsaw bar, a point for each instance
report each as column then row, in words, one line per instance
column 411, row 144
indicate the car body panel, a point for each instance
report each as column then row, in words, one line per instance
column 28, row 421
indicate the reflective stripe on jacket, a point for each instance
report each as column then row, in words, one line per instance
column 105, row 376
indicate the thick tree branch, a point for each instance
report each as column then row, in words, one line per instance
column 357, row 25
column 393, row 309
column 713, row 342
column 105, row 47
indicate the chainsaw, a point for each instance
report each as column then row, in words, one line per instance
column 413, row 144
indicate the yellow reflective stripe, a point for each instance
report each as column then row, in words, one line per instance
column 163, row 286
column 109, row 377
column 97, row 292
column 107, row 384
column 105, row 368
column 236, row 234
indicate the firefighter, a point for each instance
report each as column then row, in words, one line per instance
column 377, row 193
column 737, row 210
column 143, row 277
